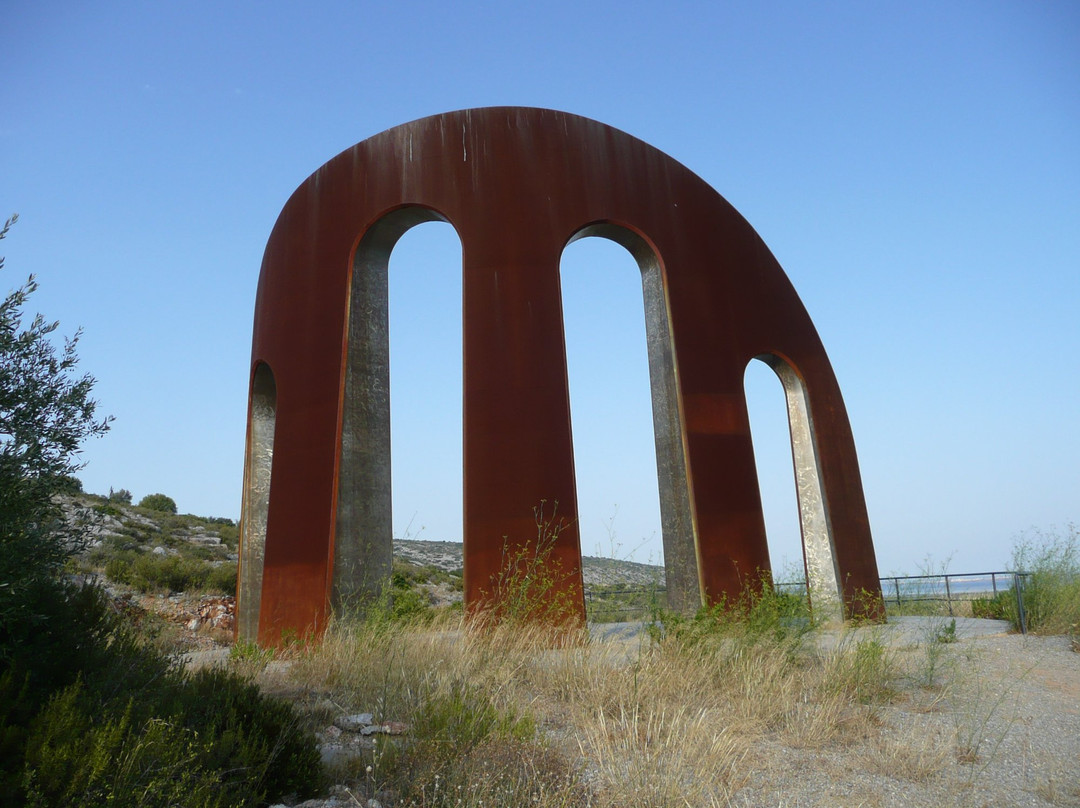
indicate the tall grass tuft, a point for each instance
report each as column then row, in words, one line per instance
column 532, row 584
column 1051, row 588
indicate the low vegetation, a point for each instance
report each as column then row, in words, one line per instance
column 154, row 550
column 1052, row 585
column 515, row 714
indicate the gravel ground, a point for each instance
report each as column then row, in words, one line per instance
column 1000, row 728
column 1004, row 731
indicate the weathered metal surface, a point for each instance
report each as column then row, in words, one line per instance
column 518, row 185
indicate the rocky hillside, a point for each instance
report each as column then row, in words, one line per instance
column 446, row 555
column 181, row 568
column 117, row 528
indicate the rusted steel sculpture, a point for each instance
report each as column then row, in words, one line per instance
column 518, row 185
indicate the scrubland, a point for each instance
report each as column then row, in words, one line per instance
column 750, row 705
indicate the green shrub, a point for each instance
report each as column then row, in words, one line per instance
column 405, row 574
column 91, row 716
column 140, row 533
column 210, row 740
column 158, row 502
column 122, row 496
column 118, row 566
column 69, row 484
column 1051, row 588
column 222, row 578
column 108, row 509
column 229, row 533
column 76, row 761
column 169, row 573
column 996, row 607
column 409, row 603
column 150, row 572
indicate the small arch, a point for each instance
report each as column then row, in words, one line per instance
column 819, row 553
column 676, row 513
column 766, row 406
column 363, row 533
column 258, row 468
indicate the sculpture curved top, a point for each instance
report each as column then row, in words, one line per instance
column 518, row 184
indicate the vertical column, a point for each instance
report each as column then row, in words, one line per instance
column 676, row 513
column 732, row 551
column 364, row 527
column 363, row 533
column 256, row 504
column 822, row 578
column 518, row 450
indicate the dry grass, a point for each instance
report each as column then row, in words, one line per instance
column 909, row 752
column 514, row 714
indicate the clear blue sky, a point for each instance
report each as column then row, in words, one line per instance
column 915, row 168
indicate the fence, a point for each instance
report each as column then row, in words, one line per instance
column 610, row 603
column 911, row 594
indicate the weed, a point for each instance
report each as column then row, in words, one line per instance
column 865, row 670
column 532, row 584
column 1051, row 588
column 248, row 659
column 945, row 633
column 993, row 608
column 981, row 702
column 936, row 638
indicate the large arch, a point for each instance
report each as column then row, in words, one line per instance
column 676, row 514
column 517, row 184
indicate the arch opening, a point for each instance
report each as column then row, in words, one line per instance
column 364, row 525
column 766, row 405
column 425, row 279
column 818, row 550
column 631, row 479
column 258, row 466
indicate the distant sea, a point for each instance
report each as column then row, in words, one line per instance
column 932, row 586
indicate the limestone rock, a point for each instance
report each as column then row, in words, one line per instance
column 354, row 723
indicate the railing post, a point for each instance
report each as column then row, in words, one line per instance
column 1018, row 582
column 948, row 595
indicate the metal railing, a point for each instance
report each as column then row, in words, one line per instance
column 604, row 602
column 953, row 589
column 906, row 592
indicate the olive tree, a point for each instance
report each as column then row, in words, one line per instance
column 46, row 413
